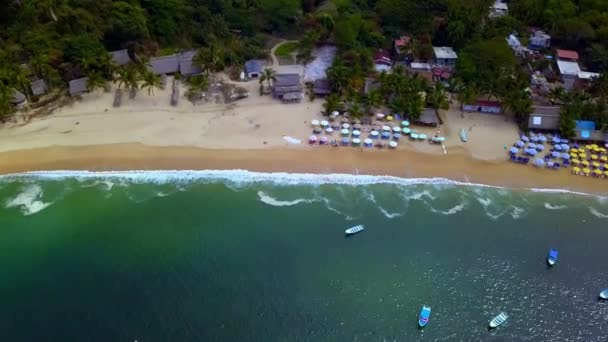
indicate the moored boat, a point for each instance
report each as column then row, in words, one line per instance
column 354, row 230
column 604, row 294
column 499, row 320
column 425, row 313
column 552, row 257
column 463, row 135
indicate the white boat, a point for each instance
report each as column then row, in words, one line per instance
column 604, row 294
column 499, row 320
column 354, row 230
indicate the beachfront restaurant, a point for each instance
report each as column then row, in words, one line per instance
column 544, row 118
column 287, row 87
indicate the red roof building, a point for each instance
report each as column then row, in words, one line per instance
column 567, row 55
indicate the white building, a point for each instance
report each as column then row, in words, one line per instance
column 445, row 56
column 569, row 72
column 499, row 9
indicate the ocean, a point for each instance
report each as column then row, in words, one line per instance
column 244, row 256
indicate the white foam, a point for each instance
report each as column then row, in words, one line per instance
column 28, row 200
column 388, row 214
column 485, row 202
column 517, row 212
column 454, row 210
column 244, row 176
column 554, row 207
column 278, row 203
column 420, row 195
column 596, row 213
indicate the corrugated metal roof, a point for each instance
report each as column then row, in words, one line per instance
column 121, row 57
column 287, row 80
column 568, row 68
column 567, row 54
column 444, row 52
column 164, row 65
column 39, row 87
column 78, row 86
column 186, row 67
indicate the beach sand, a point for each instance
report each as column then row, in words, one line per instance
column 146, row 133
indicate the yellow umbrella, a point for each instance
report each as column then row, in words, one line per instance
column 577, row 169
column 589, row 147
column 606, row 173
column 389, row 118
column 574, row 150
column 585, row 163
column 606, row 166
column 575, row 161
column 604, row 158
column 596, row 164
column 585, row 170
column 594, row 156
column 594, row 145
column 598, row 172
column 602, row 150
column 582, row 155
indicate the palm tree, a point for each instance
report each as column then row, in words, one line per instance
column 436, row 98
column 128, row 76
column 197, row 84
column 556, row 94
column 268, row 75
column 338, row 77
column 466, row 95
column 332, row 103
column 210, row 59
column 151, row 81
column 95, row 81
column 19, row 78
column 372, row 100
column 355, row 109
column 6, row 95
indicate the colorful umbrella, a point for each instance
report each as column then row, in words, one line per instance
column 405, row 123
column 594, row 156
column 406, row 130
column 595, row 164
column 389, row 118
column 576, row 161
column 585, row 170
column 576, row 169
column 597, row 172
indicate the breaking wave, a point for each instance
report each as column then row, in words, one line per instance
column 265, row 198
column 28, row 200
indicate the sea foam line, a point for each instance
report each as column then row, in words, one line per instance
column 245, row 176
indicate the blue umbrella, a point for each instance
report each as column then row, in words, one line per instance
column 565, row 156
column 555, row 154
column 556, row 140
column 558, row 147
column 565, row 147
column 542, row 138
column 513, row 150
column 345, row 141
column 386, row 135
column 525, row 138
column 539, row 162
column 531, row 152
column 396, row 136
column 534, row 138
column 550, row 164
column 564, row 141
column 519, row 144
column 540, row 147
column 532, row 145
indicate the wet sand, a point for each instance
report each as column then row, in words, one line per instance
column 457, row 166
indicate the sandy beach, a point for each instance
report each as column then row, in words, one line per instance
column 146, row 133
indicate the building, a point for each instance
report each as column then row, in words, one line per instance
column 445, row 56
column 539, row 40
column 441, row 74
column 499, row 9
column 164, row 65
column 186, row 65
column 403, row 45
column 79, row 86
column 253, row 68
column 18, row 98
column 428, row 117
column 483, row 106
column 585, row 79
column 120, row 57
column 569, row 72
column 39, row 87
column 586, row 131
column 287, row 86
column 567, row 55
column 321, row 87
column 544, row 118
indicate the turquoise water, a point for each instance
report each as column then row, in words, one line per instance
column 237, row 256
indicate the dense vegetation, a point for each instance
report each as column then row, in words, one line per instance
column 63, row 39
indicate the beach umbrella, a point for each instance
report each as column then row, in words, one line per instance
column 329, row 130
column 317, row 130
column 525, row 138
column 513, row 150
column 556, row 140
column 396, row 136
column 315, row 122
column 357, row 126
column 345, row 141
column 550, row 164
column 594, row 157
column 335, row 113
column 374, row 134
column 389, row 118
column 565, row 147
column 582, row 155
column 531, row 152
column 323, row 140
column 565, row 156
column 414, row 136
column 605, row 173
column 397, row 129
column 324, row 123
column 575, row 161
column 574, row 150
column 563, row 141
column 576, row 169
column 312, row 139
column 542, row 138
column 380, row 116
column 356, row 133
column 519, row 144
column 422, row 137
column 386, row 128
column 346, row 126
column 555, row 154
column 558, row 147
column 392, row 144
column 540, row 147
column 406, row 130
column 356, row 141
column 368, row 142
column 589, row 147
column 345, row 131
column 587, row 171
column 585, row 163
column 532, row 145
column 442, row 139
column 534, row 138
column 595, row 165
column 405, row 123
column 597, row 172
column 604, row 158
column 539, row 162
column 386, row 135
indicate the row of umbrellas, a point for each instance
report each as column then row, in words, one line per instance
column 586, row 171
column 355, row 141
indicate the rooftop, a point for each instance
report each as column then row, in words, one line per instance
column 546, row 118
column 444, row 52
column 567, row 54
column 164, row 64
column 428, row 117
column 585, row 75
column 253, row 65
column 420, row 66
column 39, row 87
column 186, row 67
column 286, row 80
column 78, row 86
column 568, row 68
column 120, row 57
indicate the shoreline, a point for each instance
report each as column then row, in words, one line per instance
column 456, row 166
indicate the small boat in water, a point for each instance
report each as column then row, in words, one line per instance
column 552, row 257
column 499, row 320
column 604, row 294
column 354, row 230
column 463, row 135
column 425, row 313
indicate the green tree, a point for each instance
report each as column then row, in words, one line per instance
column 436, row 98
column 556, row 94
column 95, row 81
column 338, row 76
column 332, row 103
column 196, row 85
column 129, row 77
column 269, row 76
column 372, row 100
column 151, row 81
column 6, row 95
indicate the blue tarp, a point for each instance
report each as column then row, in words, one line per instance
column 585, row 125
